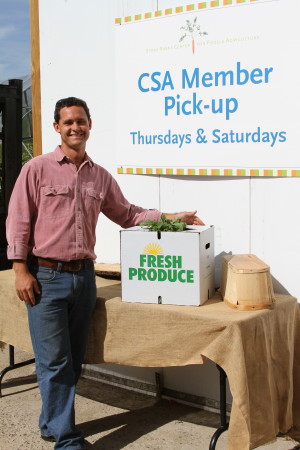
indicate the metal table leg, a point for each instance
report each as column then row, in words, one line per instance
column 223, row 418
column 12, row 364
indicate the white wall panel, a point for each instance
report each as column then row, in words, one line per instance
column 203, row 380
column 170, row 3
column 249, row 215
column 137, row 6
column 275, row 225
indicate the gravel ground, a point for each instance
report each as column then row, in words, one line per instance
column 112, row 418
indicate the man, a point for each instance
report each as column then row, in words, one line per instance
column 51, row 226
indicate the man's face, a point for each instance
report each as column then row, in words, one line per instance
column 74, row 127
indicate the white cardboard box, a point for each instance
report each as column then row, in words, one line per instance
column 168, row 267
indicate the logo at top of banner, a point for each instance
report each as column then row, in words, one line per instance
column 192, row 31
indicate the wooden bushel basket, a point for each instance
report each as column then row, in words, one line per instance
column 246, row 283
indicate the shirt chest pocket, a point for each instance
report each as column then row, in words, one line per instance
column 93, row 200
column 55, row 201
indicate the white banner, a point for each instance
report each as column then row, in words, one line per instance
column 210, row 88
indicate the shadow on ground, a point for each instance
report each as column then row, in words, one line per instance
column 144, row 414
column 19, row 383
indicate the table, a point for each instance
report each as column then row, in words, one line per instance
column 258, row 350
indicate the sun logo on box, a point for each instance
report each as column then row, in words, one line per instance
column 153, row 249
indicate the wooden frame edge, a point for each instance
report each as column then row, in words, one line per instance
column 36, row 78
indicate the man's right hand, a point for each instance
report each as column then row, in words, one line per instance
column 26, row 284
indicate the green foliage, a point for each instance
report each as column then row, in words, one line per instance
column 27, row 151
column 164, row 224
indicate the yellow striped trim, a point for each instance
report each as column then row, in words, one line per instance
column 193, row 7
column 216, row 172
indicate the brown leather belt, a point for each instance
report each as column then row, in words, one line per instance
column 66, row 266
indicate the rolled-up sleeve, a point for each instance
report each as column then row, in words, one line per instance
column 118, row 209
column 20, row 214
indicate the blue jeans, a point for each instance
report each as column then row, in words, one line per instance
column 59, row 323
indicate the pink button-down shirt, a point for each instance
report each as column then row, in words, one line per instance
column 54, row 208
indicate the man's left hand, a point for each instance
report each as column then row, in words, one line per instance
column 189, row 218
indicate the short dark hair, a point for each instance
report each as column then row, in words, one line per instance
column 67, row 102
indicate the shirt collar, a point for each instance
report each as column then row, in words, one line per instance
column 60, row 156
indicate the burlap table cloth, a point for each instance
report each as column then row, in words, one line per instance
column 259, row 350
